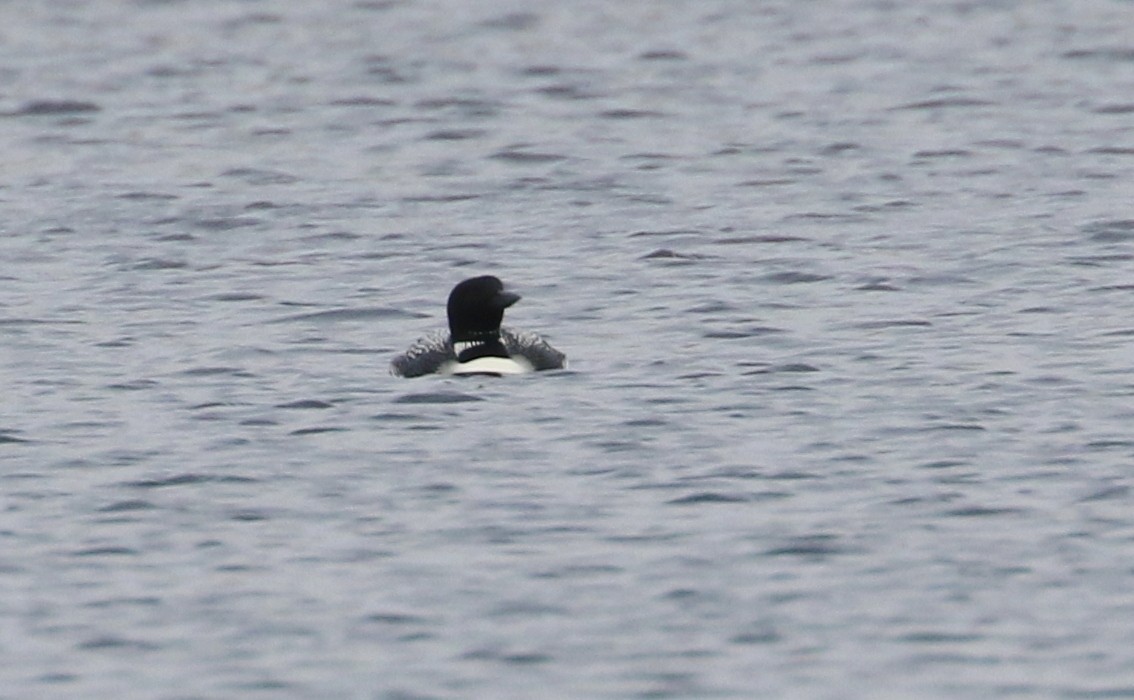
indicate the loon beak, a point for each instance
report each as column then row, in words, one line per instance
column 505, row 299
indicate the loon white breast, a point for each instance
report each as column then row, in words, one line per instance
column 491, row 366
column 475, row 343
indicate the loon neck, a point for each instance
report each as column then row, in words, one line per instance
column 463, row 340
column 462, row 345
column 488, row 346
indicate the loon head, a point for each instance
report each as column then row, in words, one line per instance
column 476, row 308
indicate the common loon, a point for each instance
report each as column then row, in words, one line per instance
column 475, row 343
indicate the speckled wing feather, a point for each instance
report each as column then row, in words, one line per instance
column 424, row 357
column 533, row 348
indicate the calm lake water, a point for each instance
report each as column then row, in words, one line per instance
column 847, row 289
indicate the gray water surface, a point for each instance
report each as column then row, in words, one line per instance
column 846, row 288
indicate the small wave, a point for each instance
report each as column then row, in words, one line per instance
column 896, row 323
column 795, row 277
column 945, row 102
column 317, row 430
column 1110, row 231
column 668, row 254
column 334, row 315
column 189, row 479
column 707, row 497
column 437, row 397
column 39, row 108
column 305, row 404
column 513, row 155
column 808, row 546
